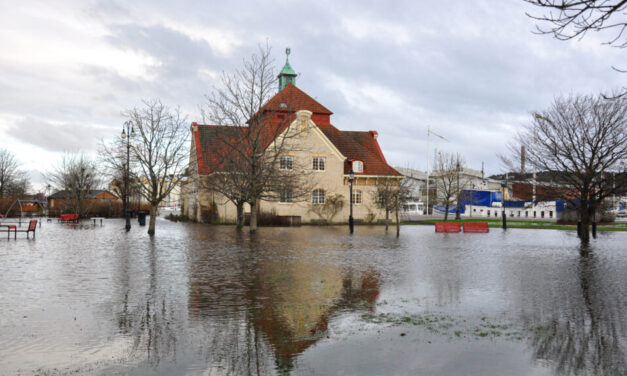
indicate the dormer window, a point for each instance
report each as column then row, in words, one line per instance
column 358, row 166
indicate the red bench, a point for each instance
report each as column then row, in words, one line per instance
column 448, row 227
column 476, row 227
column 68, row 218
column 32, row 226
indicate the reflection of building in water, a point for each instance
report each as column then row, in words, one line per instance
column 298, row 311
column 289, row 300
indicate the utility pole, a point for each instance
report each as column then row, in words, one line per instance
column 429, row 133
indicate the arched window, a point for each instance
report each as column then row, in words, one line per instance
column 317, row 196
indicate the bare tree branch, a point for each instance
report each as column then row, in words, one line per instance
column 582, row 141
column 248, row 140
column 160, row 151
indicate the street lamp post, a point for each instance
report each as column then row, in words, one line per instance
column 457, row 214
column 351, row 177
column 504, row 186
column 127, row 129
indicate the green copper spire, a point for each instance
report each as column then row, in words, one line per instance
column 287, row 75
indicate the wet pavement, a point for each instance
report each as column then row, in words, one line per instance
column 204, row 300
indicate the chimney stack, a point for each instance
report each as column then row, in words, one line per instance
column 522, row 159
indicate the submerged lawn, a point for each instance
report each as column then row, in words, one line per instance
column 512, row 223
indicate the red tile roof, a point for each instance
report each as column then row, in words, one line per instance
column 212, row 151
column 294, row 100
column 361, row 146
column 211, row 148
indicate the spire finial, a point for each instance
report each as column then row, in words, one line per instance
column 287, row 75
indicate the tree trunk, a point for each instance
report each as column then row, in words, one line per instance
column 398, row 223
column 458, row 207
column 446, row 212
column 153, row 219
column 387, row 219
column 239, row 220
column 253, row 216
column 584, row 214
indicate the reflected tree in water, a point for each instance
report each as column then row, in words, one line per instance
column 586, row 337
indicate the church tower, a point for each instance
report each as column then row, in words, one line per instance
column 287, row 75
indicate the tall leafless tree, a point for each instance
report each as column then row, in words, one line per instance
column 112, row 155
column 582, row 141
column 449, row 183
column 248, row 140
column 10, row 176
column 568, row 19
column 78, row 175
column 160, row 151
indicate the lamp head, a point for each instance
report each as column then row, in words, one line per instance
column 351, row 175
column 123, row 134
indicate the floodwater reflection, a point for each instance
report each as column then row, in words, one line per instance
column 584, row 334
column 202, row 300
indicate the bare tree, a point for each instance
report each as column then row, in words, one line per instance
column 447, row 169
column 568, row 19
column 390, row 196
column 582, row 141
column 9, row 173
column 78, row 176
column 113, row 158
column 248, row 141
column 160, row 151
column 333, row 204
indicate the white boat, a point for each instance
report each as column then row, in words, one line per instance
column 412, row 210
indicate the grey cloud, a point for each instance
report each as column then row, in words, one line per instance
column 55, row 137
column 467, row 69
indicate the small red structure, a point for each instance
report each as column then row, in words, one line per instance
column 448, row 227
column 480, row 227
column 68, row 218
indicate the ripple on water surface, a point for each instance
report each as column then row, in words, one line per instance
column 199, row 299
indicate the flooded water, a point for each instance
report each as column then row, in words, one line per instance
column 203, row 300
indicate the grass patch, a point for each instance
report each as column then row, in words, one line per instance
column 531, row 224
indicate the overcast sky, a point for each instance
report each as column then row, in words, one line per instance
column 471, row 70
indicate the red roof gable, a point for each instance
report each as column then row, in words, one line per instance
column 294, row 100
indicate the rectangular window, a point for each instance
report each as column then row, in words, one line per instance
column 286, row 163
column 357, row 197
column 550, row 213
column 318, row 163
column 285, row 195
column 317, row 196
column 358, row 166
column 381, row 198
